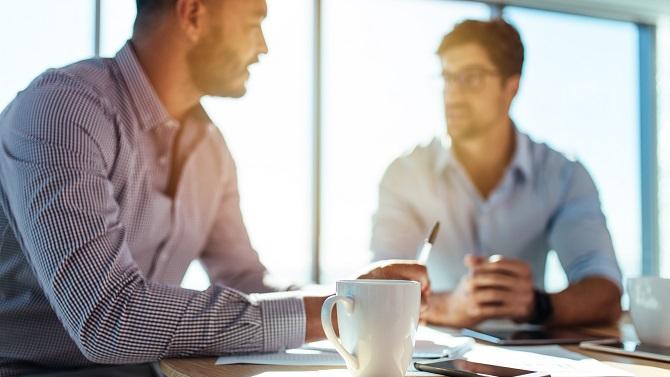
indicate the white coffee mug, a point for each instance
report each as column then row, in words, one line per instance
column 377, row 322
column 650, row 309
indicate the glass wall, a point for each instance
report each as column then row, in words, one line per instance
column 663, row 88
column 40, row 34
column 269, row 132
column 116, row 24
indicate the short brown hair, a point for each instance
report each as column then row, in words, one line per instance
column 148, row 10
column 499, row 39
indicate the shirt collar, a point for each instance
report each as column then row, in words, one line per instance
column 521, row 161
column 149, row 107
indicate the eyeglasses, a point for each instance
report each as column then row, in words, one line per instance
column 470, row 79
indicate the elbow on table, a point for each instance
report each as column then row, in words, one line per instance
column 104, row 350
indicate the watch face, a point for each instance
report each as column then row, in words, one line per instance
column 543, row 307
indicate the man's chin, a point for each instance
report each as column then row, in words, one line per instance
column 237, row 92
column 461, row 131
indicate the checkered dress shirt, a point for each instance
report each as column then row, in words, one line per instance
column 97, row 230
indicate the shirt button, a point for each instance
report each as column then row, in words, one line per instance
column 162, row 160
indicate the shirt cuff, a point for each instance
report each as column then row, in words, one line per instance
column 595, row 266
column 284, row 320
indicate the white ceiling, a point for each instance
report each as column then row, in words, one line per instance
column 645, row 11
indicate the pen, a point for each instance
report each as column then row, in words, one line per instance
column 428, row 244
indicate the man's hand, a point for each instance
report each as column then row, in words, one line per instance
column 398, row 270
column 494, row 288
column 401, row 270
column 500, row 288
column 453, row 309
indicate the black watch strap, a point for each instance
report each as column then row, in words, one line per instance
column 544, row 308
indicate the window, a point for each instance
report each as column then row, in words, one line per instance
column 41, row 34
column 663, row 87
column 269, row 132
column 580, row 94
column 381, row 96
column 116, row 24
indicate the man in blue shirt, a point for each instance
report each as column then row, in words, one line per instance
column 503, row 201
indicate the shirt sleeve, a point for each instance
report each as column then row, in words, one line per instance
column 228, row 256
column 57, row 150
column 578, row 230
column 396, row 225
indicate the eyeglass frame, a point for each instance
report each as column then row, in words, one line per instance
column 483, row 72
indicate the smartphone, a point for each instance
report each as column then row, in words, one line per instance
column 465, row 368
column 634, row 349
column 531, row 337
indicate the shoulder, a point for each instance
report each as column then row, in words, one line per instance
column 418, row 162
column 64, row 106
column 76, row 91
column 557, row 172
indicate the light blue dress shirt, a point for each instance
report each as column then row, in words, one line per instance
column 544, row 202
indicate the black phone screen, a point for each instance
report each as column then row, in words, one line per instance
column 457, row 367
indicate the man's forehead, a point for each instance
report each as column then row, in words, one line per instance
column 251, row 8
column 465, row 55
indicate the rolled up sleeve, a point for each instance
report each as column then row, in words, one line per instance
column 578, row 230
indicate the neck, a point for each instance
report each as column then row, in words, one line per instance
column 163, row 60
column 486, row 157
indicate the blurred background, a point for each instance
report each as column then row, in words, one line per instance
column 349, row 85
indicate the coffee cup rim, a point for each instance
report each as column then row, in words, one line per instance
column 379, row 282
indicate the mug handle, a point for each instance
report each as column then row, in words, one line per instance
column 327, row 323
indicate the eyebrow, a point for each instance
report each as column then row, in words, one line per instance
column 471, row 66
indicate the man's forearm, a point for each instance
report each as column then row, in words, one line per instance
column 595, row 300
column 314, row 328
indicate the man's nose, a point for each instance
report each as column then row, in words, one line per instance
column 263, row 46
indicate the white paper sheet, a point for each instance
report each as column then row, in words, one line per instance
column 329, row 373
column 296, row 357
column 552, row 359
column 430, row 344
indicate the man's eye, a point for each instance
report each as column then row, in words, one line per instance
column 470, row 77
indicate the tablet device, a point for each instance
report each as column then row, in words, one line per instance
column 532, row 337
column 464, row 368
column 634, row 349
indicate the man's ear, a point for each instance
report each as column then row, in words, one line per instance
column 192, row 18
column 512, row 86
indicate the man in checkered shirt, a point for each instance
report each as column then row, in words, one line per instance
column 113, row 179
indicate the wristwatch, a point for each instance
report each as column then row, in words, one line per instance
column 543, row 309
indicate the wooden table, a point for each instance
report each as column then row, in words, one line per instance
column 204, row 367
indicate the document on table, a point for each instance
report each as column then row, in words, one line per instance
column 430, row 344
column 329, row 373
column 554, row 360
column 294, row 357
